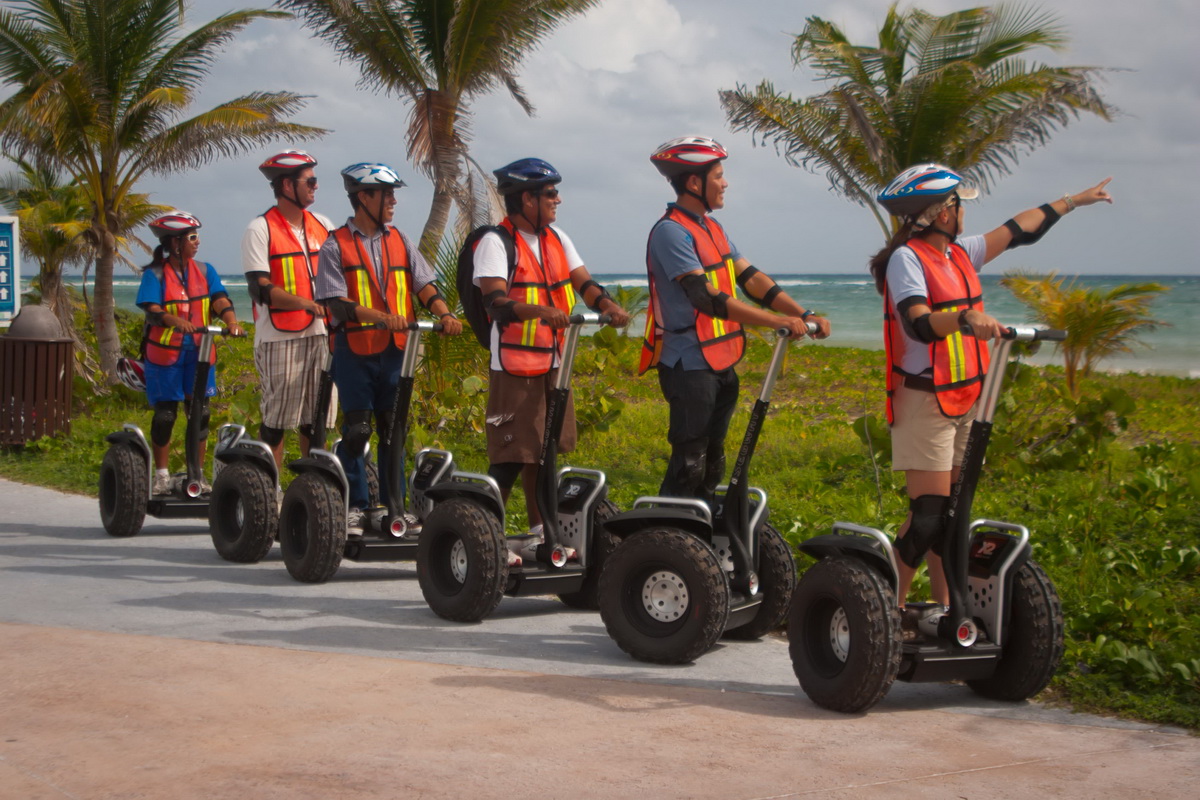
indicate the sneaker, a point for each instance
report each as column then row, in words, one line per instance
column 375, row 519
column 354, row 522
column 412, row 524
column 514, row 560
column 205, row 487
column 162, row 484
column 526, row 545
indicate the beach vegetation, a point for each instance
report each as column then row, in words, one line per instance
column 103, row 91
column 955, row 89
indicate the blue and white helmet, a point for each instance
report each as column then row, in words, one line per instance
column 369, row 175
column 917, row 188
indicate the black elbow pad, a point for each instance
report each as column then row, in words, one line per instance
column 696, row 289
column 1021, row 236
column 922, row 330
column 342, row 310
column 258, row 292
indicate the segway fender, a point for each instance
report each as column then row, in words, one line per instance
column 640, row 519
column 233, row 445
column 484, row 493
column 866, row 550
column 131, row 436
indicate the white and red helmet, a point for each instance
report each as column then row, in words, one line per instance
column 132, row 373
column 176, row 223
column 687, row 155
column 289, row 162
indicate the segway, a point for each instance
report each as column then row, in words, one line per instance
column 1002, row 633
column 686, row 572
column 463, row 560
column 312, row 518
column 127, row 472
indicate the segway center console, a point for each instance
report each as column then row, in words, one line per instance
column 686, row 572
column 1002, row 633
column 127, row 472
column 312, row 519
column 464, row 565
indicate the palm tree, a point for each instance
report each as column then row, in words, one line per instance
column 102, row 88
column 1098, row 323
column 951, row 89
column 439, row 54
column 56, row 229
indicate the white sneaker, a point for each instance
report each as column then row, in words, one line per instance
column 526, row 545
column 354, row 522
column 162, row 484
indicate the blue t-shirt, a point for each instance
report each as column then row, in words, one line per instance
column 672, row 254
column 151, row 291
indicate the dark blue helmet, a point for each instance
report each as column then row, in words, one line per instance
column 525, row 174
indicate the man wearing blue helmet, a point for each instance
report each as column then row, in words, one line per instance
column 368, row 274
column 531, row 276
column 935, row 330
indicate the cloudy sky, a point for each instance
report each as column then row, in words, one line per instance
column 633, row 73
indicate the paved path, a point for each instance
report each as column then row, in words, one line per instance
column 149, row 667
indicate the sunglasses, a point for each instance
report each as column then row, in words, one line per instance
column 192, row 237
column 310, row 182
column 551, row 193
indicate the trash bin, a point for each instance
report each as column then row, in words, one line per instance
column 36, row 370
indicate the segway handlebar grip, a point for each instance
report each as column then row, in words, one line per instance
column 1029, row 333
column 590, row 319
column 781, row 331
column 425, row 325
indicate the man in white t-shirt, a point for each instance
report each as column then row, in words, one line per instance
column 529, row 299
column 279, row 257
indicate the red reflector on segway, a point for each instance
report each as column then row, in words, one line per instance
column 193, row 489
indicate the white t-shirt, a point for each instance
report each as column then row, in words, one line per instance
column 491, row 261
column 254, row 259
column 906, row 278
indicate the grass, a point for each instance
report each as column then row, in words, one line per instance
column 1109, row 486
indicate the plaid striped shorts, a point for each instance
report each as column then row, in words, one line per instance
column 289, row 373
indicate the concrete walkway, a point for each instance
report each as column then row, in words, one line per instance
column 148, row 667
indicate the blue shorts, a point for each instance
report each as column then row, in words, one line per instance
column 175, row 382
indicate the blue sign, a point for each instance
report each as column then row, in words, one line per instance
column 10, row 269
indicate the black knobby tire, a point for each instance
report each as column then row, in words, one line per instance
column 664, row 597
column 312, row 527
column 844, row 634
column 462, row 560
column 604, row 544
column 372, row 470
column 243, row 514
column 124, row 490
column 777, row 582
column 1034, row 643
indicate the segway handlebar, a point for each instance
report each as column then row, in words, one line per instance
column 1029, row 333
column 781, row 331
column 218, row 330
column 590, row 319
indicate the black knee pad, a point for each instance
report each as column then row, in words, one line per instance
column 356, row 432
column 269, row 436
column 505, row 473
column 163, row 422
column 695, row 463
column 925, row 530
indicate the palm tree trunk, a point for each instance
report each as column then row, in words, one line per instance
column 435, row 224
column 107, row 340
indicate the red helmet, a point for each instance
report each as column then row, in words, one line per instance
column 132, row 373
column 289, row 162
column 176, row 223
column 687, row 154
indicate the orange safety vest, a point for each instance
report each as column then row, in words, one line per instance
column 362, row 287
column 527, row 347
column 184, row 298
column 722, row 341
column 290, row 270
column 959, row 362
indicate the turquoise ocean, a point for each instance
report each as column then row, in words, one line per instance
column 855, row 310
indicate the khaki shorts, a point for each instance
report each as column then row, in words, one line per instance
column 516, row 418
column 924, row 438
column 289, row 372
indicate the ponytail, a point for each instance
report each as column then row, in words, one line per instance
column 879, row 261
